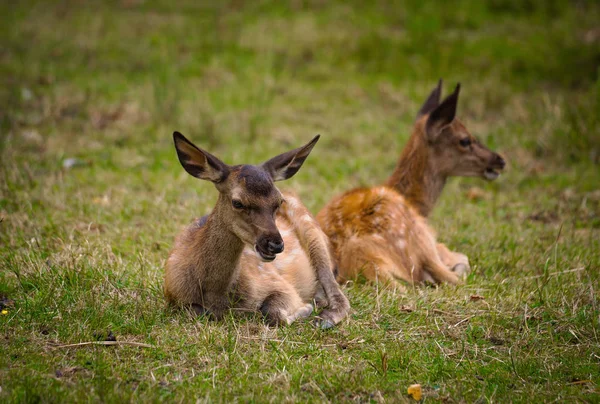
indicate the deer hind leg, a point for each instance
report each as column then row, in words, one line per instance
column 424, row 249
column 439, row 272
column 284, row 306
column 316, row 246
column 457, row 262
column 433, row 266
column 371, row 257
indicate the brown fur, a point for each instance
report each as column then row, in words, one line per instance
column 215, row 263
column 381, row 233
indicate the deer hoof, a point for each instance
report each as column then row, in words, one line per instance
column 461, row 270
column 302, row 312
column 428, row 279
column 324, row 324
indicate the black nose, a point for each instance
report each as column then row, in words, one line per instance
column 275, row 247
column 499, row 161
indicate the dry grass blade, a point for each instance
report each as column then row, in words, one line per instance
column 105, row 343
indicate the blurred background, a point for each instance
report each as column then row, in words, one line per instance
column 106, row 76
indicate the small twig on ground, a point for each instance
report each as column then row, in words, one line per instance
column 462, row 321
column 442, row 350
column 138, row 344
column 283, row 340
column 514, row 368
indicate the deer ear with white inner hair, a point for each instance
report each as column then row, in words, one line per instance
column 287, row 164
column 199, row 163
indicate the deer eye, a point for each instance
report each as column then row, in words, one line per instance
column 237, row 204
column 465, row 142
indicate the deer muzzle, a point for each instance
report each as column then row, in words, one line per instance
column 267, row 248
column 493, row 170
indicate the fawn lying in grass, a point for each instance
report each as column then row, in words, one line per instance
column 382, row 232
column 227, row 258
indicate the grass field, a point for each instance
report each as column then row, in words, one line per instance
column 92, row 194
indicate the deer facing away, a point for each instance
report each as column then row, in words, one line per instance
column 382, row 232
column 228, row 258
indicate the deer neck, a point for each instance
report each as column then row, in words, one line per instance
column 220, row 250
column 416, row 177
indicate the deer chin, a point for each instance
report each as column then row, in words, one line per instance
column 490, row 174
column 264, row 257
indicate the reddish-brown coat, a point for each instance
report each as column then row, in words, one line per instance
column 382, row 233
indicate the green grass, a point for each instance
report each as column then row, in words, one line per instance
column 82, row 249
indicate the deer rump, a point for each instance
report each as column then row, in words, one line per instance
column 375, row 233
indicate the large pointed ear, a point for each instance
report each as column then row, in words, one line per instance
column 443, row 114
column 197, row 162
column 287, row 164
column 432, row 101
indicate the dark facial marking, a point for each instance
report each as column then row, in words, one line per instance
column 257, row 181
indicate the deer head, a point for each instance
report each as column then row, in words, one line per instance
column 248, row 199
column 454, row 150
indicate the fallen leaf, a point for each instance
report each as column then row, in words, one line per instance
column 415, row 391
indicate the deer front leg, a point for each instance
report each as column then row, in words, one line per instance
column 457, row 262
column 316, row 245
column 215, row 305
column 320, row 297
